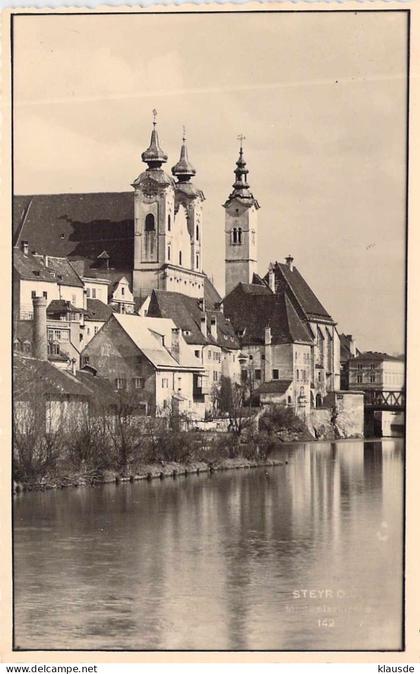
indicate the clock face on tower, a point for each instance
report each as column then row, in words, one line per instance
column 149, row 188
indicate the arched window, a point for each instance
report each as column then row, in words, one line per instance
column 196, row 262
column 149, row 224
column 239, row 235
column 169, row 252
column 169, row 223
column 197, row 233
column 318, row 400
column 180, row 258
column 234, row 235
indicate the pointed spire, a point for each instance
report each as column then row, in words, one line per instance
column 241, row 186
column 183, row 169
column 154, row 156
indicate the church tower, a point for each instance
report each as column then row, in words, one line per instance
column 168, row 225
column 241, row 229
column 189, row 204
column 153, row 216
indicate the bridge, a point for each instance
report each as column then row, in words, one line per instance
column 392, row 401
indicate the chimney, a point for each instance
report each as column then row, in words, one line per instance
column 175, row 346
column 267, row 335
column 271, row 278
column 39, row 328
column 213, row 327
column 289, row 262
column 46, row 260
column 73, row 366
column 25, row 247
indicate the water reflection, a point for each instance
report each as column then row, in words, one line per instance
column 308, row 556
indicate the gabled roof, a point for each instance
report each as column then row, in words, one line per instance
column 275, row 386
column 182, row 310
column 78, row 225
column 252, row 307
column 116, row 282
column 65, row 274
column 98, row 311
column 300, row 290
column 54, row 269
column 153, row 337
column 34, row 377
column 30, row 267
column 186, row 313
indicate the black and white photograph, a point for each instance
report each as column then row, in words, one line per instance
column 209, row 276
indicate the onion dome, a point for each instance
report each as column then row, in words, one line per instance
column 183, row 169
column 154, row 156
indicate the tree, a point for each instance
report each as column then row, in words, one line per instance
column 231, row 400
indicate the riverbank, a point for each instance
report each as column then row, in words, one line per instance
column 147, row 472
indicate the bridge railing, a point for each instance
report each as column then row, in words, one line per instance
column 385, row 399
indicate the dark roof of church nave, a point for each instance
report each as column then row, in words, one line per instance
column 78, row 226
column 92, row 230
column 292, row 280
column 251, row 308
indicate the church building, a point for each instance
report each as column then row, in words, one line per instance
column 148, row 243
column 168, row 225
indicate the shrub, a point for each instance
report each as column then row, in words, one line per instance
column 277, row 418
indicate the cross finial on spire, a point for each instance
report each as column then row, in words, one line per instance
column 154, row 113
column 241, row 139
column 184, row 133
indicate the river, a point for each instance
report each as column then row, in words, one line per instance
column 304, row 556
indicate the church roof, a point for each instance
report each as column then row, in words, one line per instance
column 154, row 156
column 78, row 226
column 308, row 302
column 183, row 169
column 251, row 308
column 241, row 190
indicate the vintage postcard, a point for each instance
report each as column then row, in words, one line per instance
column 208, row 243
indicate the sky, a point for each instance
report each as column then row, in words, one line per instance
column 320, row 98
